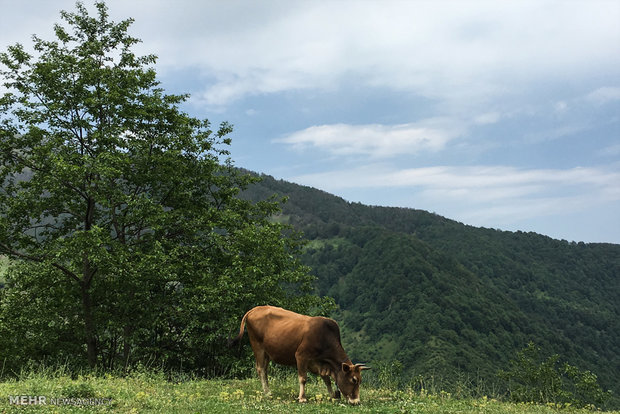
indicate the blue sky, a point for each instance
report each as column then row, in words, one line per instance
column 501, row 114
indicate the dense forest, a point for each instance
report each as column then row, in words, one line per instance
column 451, row 300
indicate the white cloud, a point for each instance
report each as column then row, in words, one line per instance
column 462, row 53
column 555, row 133
column 458, row 52
column 604, row 95
column 487, row 118
column 470, row 178
column 376, row 140
column 494, row 191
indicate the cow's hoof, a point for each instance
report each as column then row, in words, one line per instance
column 337, row 395
column 302, row 400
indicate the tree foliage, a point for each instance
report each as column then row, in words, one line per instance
column 121, row 211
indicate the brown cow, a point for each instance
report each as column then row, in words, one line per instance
column 309, row 343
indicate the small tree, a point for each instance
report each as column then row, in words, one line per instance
column 532, row 378
column 108, row 186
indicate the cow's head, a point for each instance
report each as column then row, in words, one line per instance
column 348, row 379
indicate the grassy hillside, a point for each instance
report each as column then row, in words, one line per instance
column 449, row 300
column 144, row 393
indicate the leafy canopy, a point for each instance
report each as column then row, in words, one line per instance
column 109, row 187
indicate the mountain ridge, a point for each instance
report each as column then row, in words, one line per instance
column 444, row 297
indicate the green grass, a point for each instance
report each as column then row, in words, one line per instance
column 151, row 393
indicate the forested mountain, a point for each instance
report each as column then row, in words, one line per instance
column 448, row 299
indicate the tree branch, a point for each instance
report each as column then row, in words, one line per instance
column 15, row 253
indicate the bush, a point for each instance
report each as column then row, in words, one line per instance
column 532, row 378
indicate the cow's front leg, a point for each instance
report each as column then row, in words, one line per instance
column 302, row 387
column 328, row 384
column 302, row 370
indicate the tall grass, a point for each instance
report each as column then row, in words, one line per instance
column 148, row 390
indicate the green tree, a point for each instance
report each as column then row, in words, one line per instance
column 532, row 378
column 108, row 186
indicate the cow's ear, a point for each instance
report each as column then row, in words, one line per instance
column 346, row 367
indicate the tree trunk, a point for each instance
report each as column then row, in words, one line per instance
column 126, row 346
column 87, row 277
column 89, row 326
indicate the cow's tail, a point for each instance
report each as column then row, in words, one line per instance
column 234, row 341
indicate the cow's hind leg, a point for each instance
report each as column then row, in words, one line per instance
column 262, row 366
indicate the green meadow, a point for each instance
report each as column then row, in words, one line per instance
column 153, row 393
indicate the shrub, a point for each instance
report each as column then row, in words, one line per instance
column 533, row 378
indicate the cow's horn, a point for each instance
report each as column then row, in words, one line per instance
column 362, row 366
